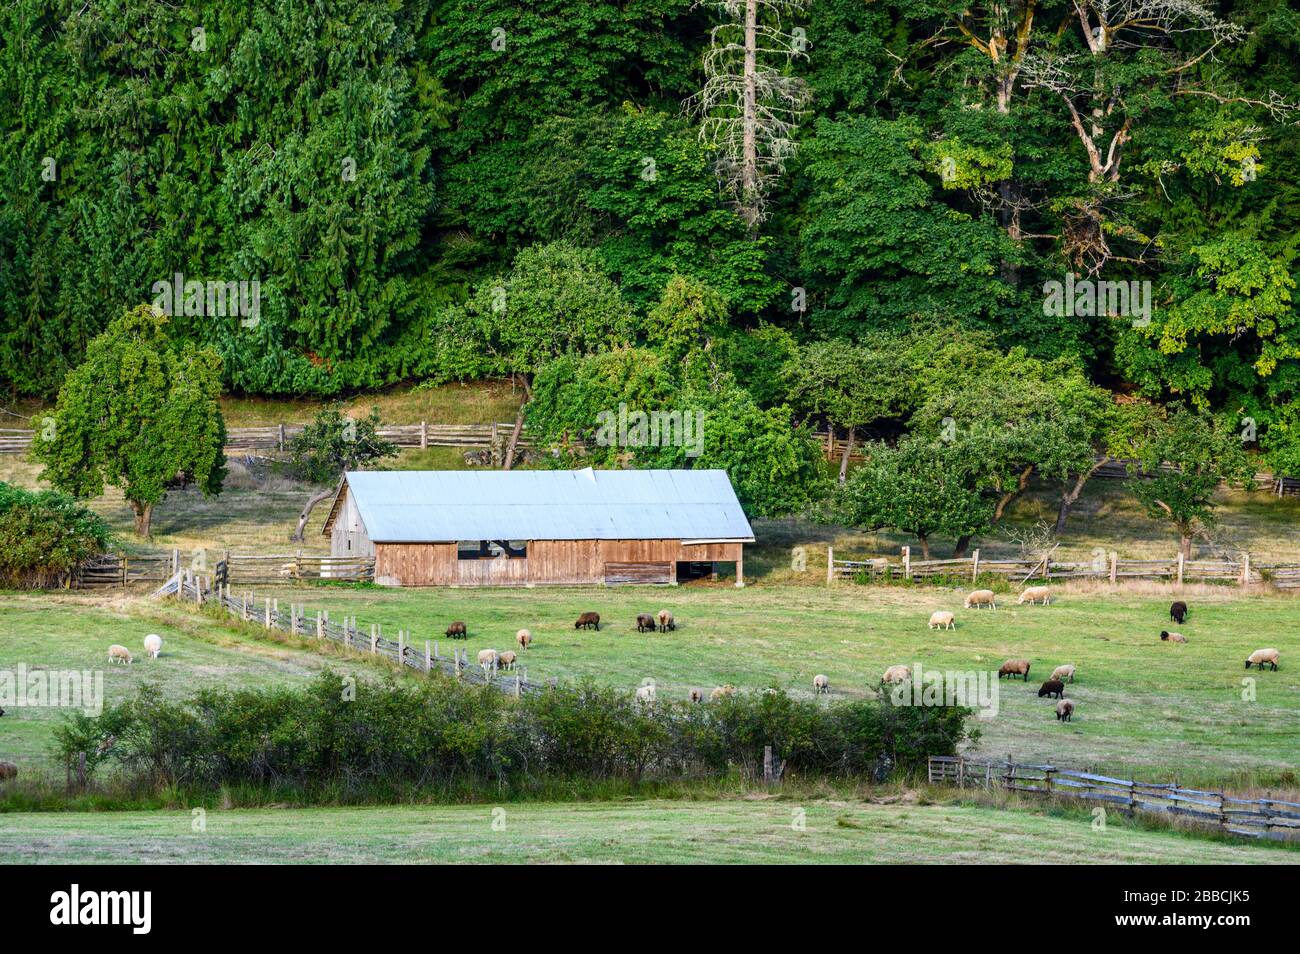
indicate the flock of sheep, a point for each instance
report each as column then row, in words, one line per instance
column 120, row 654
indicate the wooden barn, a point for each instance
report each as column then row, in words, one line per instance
column 524, row 528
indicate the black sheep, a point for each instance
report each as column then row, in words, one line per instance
column 645, row 622
column 457, row 630
column 1178, row 611
column 1053, row 688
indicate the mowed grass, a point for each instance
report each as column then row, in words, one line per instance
column 68, row 632
column 652, row 831
column 1153, row 709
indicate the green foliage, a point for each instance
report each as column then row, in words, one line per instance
column 332, row 443
column 431, row 732
column 686, row 317
column 140, row 414
column 847, row 385
column 920, row 487
column 45, row 536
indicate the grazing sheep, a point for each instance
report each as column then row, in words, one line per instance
column 507, row 659
column 1033, row 594
column 1053, row 688
column 8, row 770
column 153, row 645
column 1178, row 611
column 1063, row 673
column 980, row 598
column 644, row 622
column 588, row 619
column 1015, row 667
column 120, row 654
column 1064, row 710
column 457, row 631
column 523, row 638
column 897, row 674
column 666, row 621
column 720, row 692
column 821, row 684
column 646, row 695
column 2, row 712
column 1172, row 637
column 695, row 696
column 1264, row 657
column 487, row 658
column 942, row 619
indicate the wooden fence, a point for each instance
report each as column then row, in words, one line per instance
column 423, row 656
column 1254, row 817
column 1176, row 570
column 120, row 569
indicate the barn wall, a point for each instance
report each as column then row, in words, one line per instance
column 548, row 561
column 348, row 534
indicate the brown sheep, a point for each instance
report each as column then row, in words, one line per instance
column 1178, row 611
column 8, row 770
column 457, row 630
column 587, row 620
column 1064, row 710
column 645, row 622
column 506, row 660
column 695, row 695
column 666, row 621
column 1169, row 637
column 1053, row 688
column 1015, row 667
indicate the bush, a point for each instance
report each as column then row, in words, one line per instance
column 45, row 536
column 443, row 733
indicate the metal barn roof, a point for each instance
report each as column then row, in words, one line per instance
column 441, row 505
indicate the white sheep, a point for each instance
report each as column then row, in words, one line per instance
column 980, row 598
column 1169, row 637
column 487, row 658
column 821, row 683
column 666, row 621
column 1033, row 594
column 153, row 645
column 1064, row 710
column 120, row 654
column 896, row 674
column 942, row 619
column 523, row 638
column 1063, row 673
column 721, row 692
column 646, row 694
column 1264, row 657
column 507, row 659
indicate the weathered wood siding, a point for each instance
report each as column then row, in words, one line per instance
column 548, row 561
column 348, row 534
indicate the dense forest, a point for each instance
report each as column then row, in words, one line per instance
column 937, row 213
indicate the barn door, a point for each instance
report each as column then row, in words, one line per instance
column 638, row 573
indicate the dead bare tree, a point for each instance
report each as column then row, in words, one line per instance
column 751, row 104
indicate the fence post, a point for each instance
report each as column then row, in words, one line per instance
column 320, row 625
column 907, row 563
column 975, row 565
column 428, row 659
column 767, row 765
column 1114, row 565
column 374, row 639
column 281, row 437
column 1180, row 568
column 424, row 435
column 267, row 621
column 401, row 645
column 1245, row 569
column 176, row 560
column 830, row 564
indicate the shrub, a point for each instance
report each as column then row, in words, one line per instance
column 45, row 536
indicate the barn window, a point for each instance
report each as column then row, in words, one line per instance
column 492, row 550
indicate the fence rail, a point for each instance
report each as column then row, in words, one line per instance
column 1256, row 817
column 120, row 569
column 1241, row 572
column 425, row 656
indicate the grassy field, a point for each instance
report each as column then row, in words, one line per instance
column 74, row 633
column 760, row 830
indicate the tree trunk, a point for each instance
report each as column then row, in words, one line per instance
column 1021, row 483
column 749, row 146
column 1072, row 493
column 925, row 545
column 509, row 462
column 959, row 550
column 306, row 513
column 844, row 458
column 143, row 520
column 1185, row 545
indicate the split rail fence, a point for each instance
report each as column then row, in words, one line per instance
column 121, row 569
column 1253, row 817
column 1176, row 570
column 423, row 656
